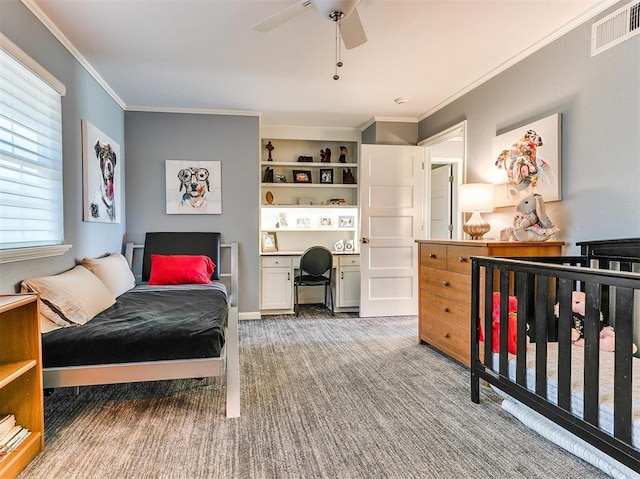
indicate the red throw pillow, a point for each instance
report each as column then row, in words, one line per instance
column 180, row 269
column 511, row 328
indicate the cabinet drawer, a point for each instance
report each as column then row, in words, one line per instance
column 445, row 309
column 276, row 261
column 445, row 283
column 459, row 258
column 349, row 260
column 433, row 256
column 448, row 337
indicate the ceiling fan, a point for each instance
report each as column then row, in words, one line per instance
column 343, row 12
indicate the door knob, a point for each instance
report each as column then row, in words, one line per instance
column 365, row 240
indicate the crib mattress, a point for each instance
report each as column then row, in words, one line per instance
column 605, row 410
column 147, row 323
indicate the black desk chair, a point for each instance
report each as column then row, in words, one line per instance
column 315, row 263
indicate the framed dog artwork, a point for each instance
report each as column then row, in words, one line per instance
column 193, row 187
column 527, row 160
column 101, row 177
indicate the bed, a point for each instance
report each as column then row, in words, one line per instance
column 585, row 399
column 157, row 332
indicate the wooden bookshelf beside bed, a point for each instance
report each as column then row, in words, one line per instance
column 575, row 392
column 180, row 321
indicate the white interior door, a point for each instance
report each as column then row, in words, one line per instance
column 441, row 219
column 390, row 222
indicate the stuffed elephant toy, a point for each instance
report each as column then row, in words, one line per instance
column 532, row 222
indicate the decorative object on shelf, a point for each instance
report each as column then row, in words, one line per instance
column 476, row 198
column 193, row 187
column 325, row 221
column 337, row 201
column 269, row 244
column 532, row 223
column 303, row 223
column 347, row 177
column 268, row 175
column 101, row 180
column 281, row 179
column 301, row 176
column 345, row 221
column 343, row 154
column 282, row 219
column 325, row 155
column 269, row 198
column 349, row 246
column 305, row 159
column 326, row 175
column 528, row 159
column 270, row 148
column 339, row 246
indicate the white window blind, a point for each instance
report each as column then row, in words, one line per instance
column 31, row 202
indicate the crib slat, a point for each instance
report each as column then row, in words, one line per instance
column 488, row 320
column 504, row 323
column 565, row 323
column 591, row 352
column 542, row 296
column 524, row 293
column 622, row 381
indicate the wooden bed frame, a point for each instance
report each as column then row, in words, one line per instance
column 538, row 283
column 228, row 364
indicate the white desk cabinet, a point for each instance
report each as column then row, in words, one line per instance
column 277, row 283
column 348, row 281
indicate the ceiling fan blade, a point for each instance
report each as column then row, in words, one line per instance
column 352, row 31
column 282, row 16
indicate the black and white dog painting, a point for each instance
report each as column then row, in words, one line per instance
column 101, row 168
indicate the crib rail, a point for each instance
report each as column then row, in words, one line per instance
column 538, row 285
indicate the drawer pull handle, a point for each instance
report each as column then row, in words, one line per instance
column 462, row 259
column 432, row 255
column 445, row 283
column 445, row 309
column 446, row 335
column 288, row 276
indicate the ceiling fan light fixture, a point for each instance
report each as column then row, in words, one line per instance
column 328, row 7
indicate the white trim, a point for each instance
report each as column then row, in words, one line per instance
column 247, row 316
column 197, row 111
column 589, row 14
column 23, row 254
column 48, row 23
column 16, row 52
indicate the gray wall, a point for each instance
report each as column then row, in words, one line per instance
column 391, row 133
column 153, row 138
column 85, row 99
column 599, row 99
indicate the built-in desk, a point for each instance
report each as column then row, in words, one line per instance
column 277, row 271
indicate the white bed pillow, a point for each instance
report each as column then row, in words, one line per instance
column 74, row 296
column 113, row 271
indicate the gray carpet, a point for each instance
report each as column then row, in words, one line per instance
column 341, row 397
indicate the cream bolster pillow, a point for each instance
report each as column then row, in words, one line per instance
column 74, row 296
column 113, row 270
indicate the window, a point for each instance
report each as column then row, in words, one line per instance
column 31, row 203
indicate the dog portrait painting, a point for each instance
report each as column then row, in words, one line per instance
column 526, row 161
column 193, row 187
column 101, row 163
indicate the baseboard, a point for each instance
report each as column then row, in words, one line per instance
column 249, row 315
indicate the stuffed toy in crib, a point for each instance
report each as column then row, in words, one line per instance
column 607, row 333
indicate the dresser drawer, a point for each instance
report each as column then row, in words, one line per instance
column 445, row 283
column 349, row 260
column 276, row 261
column 445, row 309
column 433, row 256
column 459, row 258
column 447, row 337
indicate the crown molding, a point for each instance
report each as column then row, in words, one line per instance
column 197, row 111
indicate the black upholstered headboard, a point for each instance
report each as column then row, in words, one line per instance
column 195, row 243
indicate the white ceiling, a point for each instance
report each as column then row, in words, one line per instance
column 202, row 54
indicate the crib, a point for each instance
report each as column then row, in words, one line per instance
column 589, row 393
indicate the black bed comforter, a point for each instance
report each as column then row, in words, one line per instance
column 146, row 324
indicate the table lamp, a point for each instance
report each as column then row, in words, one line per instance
column 476, row 198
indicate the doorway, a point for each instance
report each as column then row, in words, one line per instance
column 444, row 172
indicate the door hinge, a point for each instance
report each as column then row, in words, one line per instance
column 451, row 179
column 450, row 227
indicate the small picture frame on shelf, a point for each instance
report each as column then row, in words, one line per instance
column 269, row 244
column 281, row 179
column 303, row 223
column 345, row 221
column 302, row 176
column 326, row 175
column 325, row 221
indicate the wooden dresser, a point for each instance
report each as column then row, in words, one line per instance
column 445, row 287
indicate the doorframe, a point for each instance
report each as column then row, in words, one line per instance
column 459, row 175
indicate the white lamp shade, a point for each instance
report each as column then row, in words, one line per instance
column 476, row 197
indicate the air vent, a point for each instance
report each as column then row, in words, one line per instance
column 615, row 28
